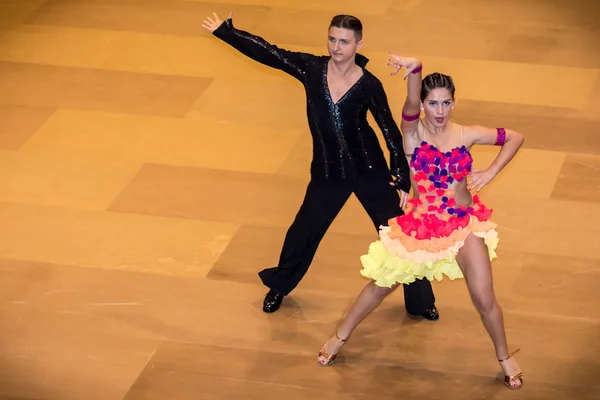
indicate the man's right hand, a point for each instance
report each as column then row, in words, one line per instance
column 212, row 24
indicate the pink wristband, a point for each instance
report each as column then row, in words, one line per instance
column 501, row 138
column 410, row 117
column 418, row 69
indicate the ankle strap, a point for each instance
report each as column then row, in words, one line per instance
column 509, row 355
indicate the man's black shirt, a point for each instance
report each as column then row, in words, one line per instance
column 344, row 144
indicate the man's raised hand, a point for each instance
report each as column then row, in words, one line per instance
column 212, row 24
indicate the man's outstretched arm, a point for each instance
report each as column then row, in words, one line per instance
column 257, row 48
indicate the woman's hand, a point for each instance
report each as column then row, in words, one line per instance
column 398, row 62
column 478, row 179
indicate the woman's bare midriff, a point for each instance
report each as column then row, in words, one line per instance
column 462, row 195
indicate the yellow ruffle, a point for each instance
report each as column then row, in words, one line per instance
column 387, row 269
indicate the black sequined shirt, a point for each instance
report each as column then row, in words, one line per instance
column 344, row 144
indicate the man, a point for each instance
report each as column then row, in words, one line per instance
column 347, row 156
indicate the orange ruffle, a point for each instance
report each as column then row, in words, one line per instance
column 436, row 244
column 436, row 248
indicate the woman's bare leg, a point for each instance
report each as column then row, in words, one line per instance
column 474, row 261
column 368, row 300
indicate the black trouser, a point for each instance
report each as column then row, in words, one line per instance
column 322, row 203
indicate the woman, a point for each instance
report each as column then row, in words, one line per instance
column 446, row 230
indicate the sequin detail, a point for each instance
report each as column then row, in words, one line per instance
column 344, row 144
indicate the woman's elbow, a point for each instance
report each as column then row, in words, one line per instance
column 517, row 137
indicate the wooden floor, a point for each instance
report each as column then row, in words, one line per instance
column 148, row 172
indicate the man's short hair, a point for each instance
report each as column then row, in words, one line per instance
column 348, row 22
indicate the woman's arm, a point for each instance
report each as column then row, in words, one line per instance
column 412, row 105
column 509, row 139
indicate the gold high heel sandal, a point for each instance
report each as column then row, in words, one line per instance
column 329, row 358
column 510, row 380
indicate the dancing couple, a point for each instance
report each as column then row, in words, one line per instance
column 442, row 230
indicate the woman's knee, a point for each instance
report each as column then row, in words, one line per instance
column 485, row 302
column 381, row 291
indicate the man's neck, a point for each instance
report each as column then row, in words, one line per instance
column 343, row 68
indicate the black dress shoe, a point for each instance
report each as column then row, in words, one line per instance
column 272, row 301
column 431, row 314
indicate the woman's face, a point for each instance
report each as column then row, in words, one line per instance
column 438, row 106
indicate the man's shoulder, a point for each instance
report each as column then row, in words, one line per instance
column 371, row 76
column 316, row 60
column 371, row 79
column 313, row 57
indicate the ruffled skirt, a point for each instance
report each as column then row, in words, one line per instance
column 404, row 254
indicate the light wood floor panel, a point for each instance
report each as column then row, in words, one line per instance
column 538, row 13
column 558, row 278
column 550, row 45
column 114, row 241
column 275, row 100
column 592, row 110
column 201, row 142
column 153, row 16
column 546, row 227
column 54, row 180
column 579, row 179
column 70, row 47
column 532, row 173
column 14, row 12
column 216, row 195
column 384, row 341
column 354, row 374
column 333, row 6
column 87, row 89
column 57, row 343
column 18, row 123
column 121, row 51
column 93, row 367
column 161, row 382
column 107, row 302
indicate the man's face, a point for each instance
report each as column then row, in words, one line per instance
column 342, row 44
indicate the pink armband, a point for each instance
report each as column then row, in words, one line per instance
column 410, row 118
column 501, row 138
column 418, row 69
